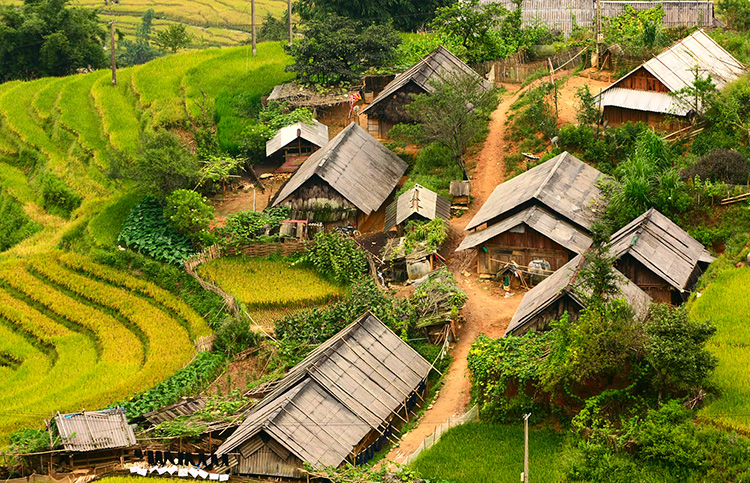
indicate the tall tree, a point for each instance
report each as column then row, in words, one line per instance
column 48, row 38
column 139, row 51
column 406, row 15
column 173, row 38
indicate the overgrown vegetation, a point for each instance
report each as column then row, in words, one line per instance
column 336, row 256
column 15, row 225
column 248, row 226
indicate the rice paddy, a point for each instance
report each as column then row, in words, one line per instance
column 726, row 304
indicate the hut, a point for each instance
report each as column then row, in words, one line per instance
column 418, row 203
column 339, row 404
column 647, row 92
column 461, row 192
column 344, row 182
column 292, row 144
column 559, row 293
column 660, row 257
column 543, row 214
column 332, row 109
column 388, row 108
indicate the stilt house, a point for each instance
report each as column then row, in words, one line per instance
column 558, row 294
column 293, row 144
column 543, row 214
column 388, row 108
column 344, row 182
column 418, row 204
column 647, row 93
column 660, row 257
column 339, row 404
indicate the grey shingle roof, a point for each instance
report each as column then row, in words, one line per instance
column 434, row 66
column 662, row 246
column 92, row 430
column 417, row 201
column 356, row 165
column 541, row 220
column 332, row 399
column 563, row 282
column 315, row 133
column 565, row 185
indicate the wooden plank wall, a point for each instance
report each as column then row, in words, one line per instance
column 521, row 248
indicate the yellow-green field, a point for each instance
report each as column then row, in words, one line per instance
column 726, row 304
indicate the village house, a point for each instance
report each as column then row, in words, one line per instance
column 543, row 214
column 559, row 293
column 343, row 183
column 334, row 109
column 647, row 92
column 339, row 404
column 416, row 204
column 388, row 108
column 292, row 144
column 660, row 257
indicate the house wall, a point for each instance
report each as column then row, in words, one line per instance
column 521, row 247
column 269, row 458
column 553, row 312
column 336, row 117
column 617, row 116
column 659, row 290
column 316, row 201
column 642, row 80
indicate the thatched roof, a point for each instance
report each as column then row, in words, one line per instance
column 356, row 165
column 564, row 283
column 417, row 201
column 297, row 95
column 315, row 133
column 662, row 247
column 564, row 185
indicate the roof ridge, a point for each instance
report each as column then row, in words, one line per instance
column 562, row 156
column 333, row 144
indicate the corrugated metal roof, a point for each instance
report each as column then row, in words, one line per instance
column 675, row 66
column 663, row 247
column 92, row 430
column 417, row 201
column 356, row 165
column 183, row 408
column 564, row 282
column 541, row 220
column 565, row 185
column 434, row 66
column 331, row 400
column 644, row 101
column 316, row 133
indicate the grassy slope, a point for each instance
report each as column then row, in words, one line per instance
column 486, row 453
column 725, row 302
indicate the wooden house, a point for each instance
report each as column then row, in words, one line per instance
column 559, row 293
column 543, row 214
column 292, row 144
column 418, row 204
column 339, row 404
column 388, row 108
column 647, row 92
column 660, row 257
column 344, row 182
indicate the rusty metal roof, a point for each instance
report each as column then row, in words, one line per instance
column 417, row 201
column 93, row 430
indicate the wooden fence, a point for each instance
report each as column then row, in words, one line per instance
column 517, row 68
column 470, row 415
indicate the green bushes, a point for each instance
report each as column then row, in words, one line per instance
column 164, row 165
column 234, row 336
column 249, row 226
column 190, row 215
column 722, row 165
column 146, row 231
column 15, row 225
column 337, row 256
column 428, row 236
column 434, row 168
column 57, row 197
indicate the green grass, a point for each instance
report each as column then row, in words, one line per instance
column 105, row 227
column 726, row 304
column 116, row 107
column 478, row 452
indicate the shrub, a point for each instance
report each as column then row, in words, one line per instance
column 337, row 256
column 190, row 215
column 164, row 165
column 146, row 231
column 57, row 197
column 15, row 225
column 724, row 165
column 234, row 336
column 247, row 226
column 427, row 236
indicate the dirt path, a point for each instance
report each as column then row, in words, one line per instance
column 486, row 311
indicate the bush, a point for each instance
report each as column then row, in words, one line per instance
column 247, row 226
column 234, row 336
column 15, row 225
column 164, row 165
column 725, row 165
column 337, row 256
column 57, row 197
column 190, row 215
column 146, row 231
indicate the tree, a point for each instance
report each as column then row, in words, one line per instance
column 451, row 114
column 173, row 38
column 406, row 15
column 736, row 13
column 588, row 112
column 336, row 50
column 474, row 25
column 190, row 214
column 164, row 165
column 140, row 51
column 274, row 28
column 47, row 38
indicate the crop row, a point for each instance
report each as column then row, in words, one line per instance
column 197, row 325
column 117, row 112
column 46, row 97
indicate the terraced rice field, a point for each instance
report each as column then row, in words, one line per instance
column 76, row 335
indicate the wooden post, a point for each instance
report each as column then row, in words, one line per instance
column 252, row 20
column 289, row 14
column 112, row 48
column 526, row 448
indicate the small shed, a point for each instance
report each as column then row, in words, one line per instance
column 388, row 108
column 343, row 183
column 95, row 430
column 418, row 203
column 660, row 257
column 461, row 192
column 292, row 144
column 646, row 93
column 330, row 108
column 543, row 214
column 339, row 404
column 558, row 294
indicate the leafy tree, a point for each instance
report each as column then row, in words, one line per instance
column 235, row 335
column 452, row 114
column 190, row 214
column 736, row 13
column 274, row 28
column 139, row 51
column 698, row 95
column 219, row 169
column 337, row 256
column 474, row 25
column 336, row 50
column 173, row 38
column 272, row 118
column 48, row 38
column 406, row 15
column 588, row 112
column 164, row 165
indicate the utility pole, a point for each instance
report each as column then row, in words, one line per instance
column 526, row 448
column 598, row 33
column 252, row 19
column 289, row 14
column 112, row 48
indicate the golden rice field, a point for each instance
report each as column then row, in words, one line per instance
column 725, row 302
column 268, row 283
column 74, row 335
